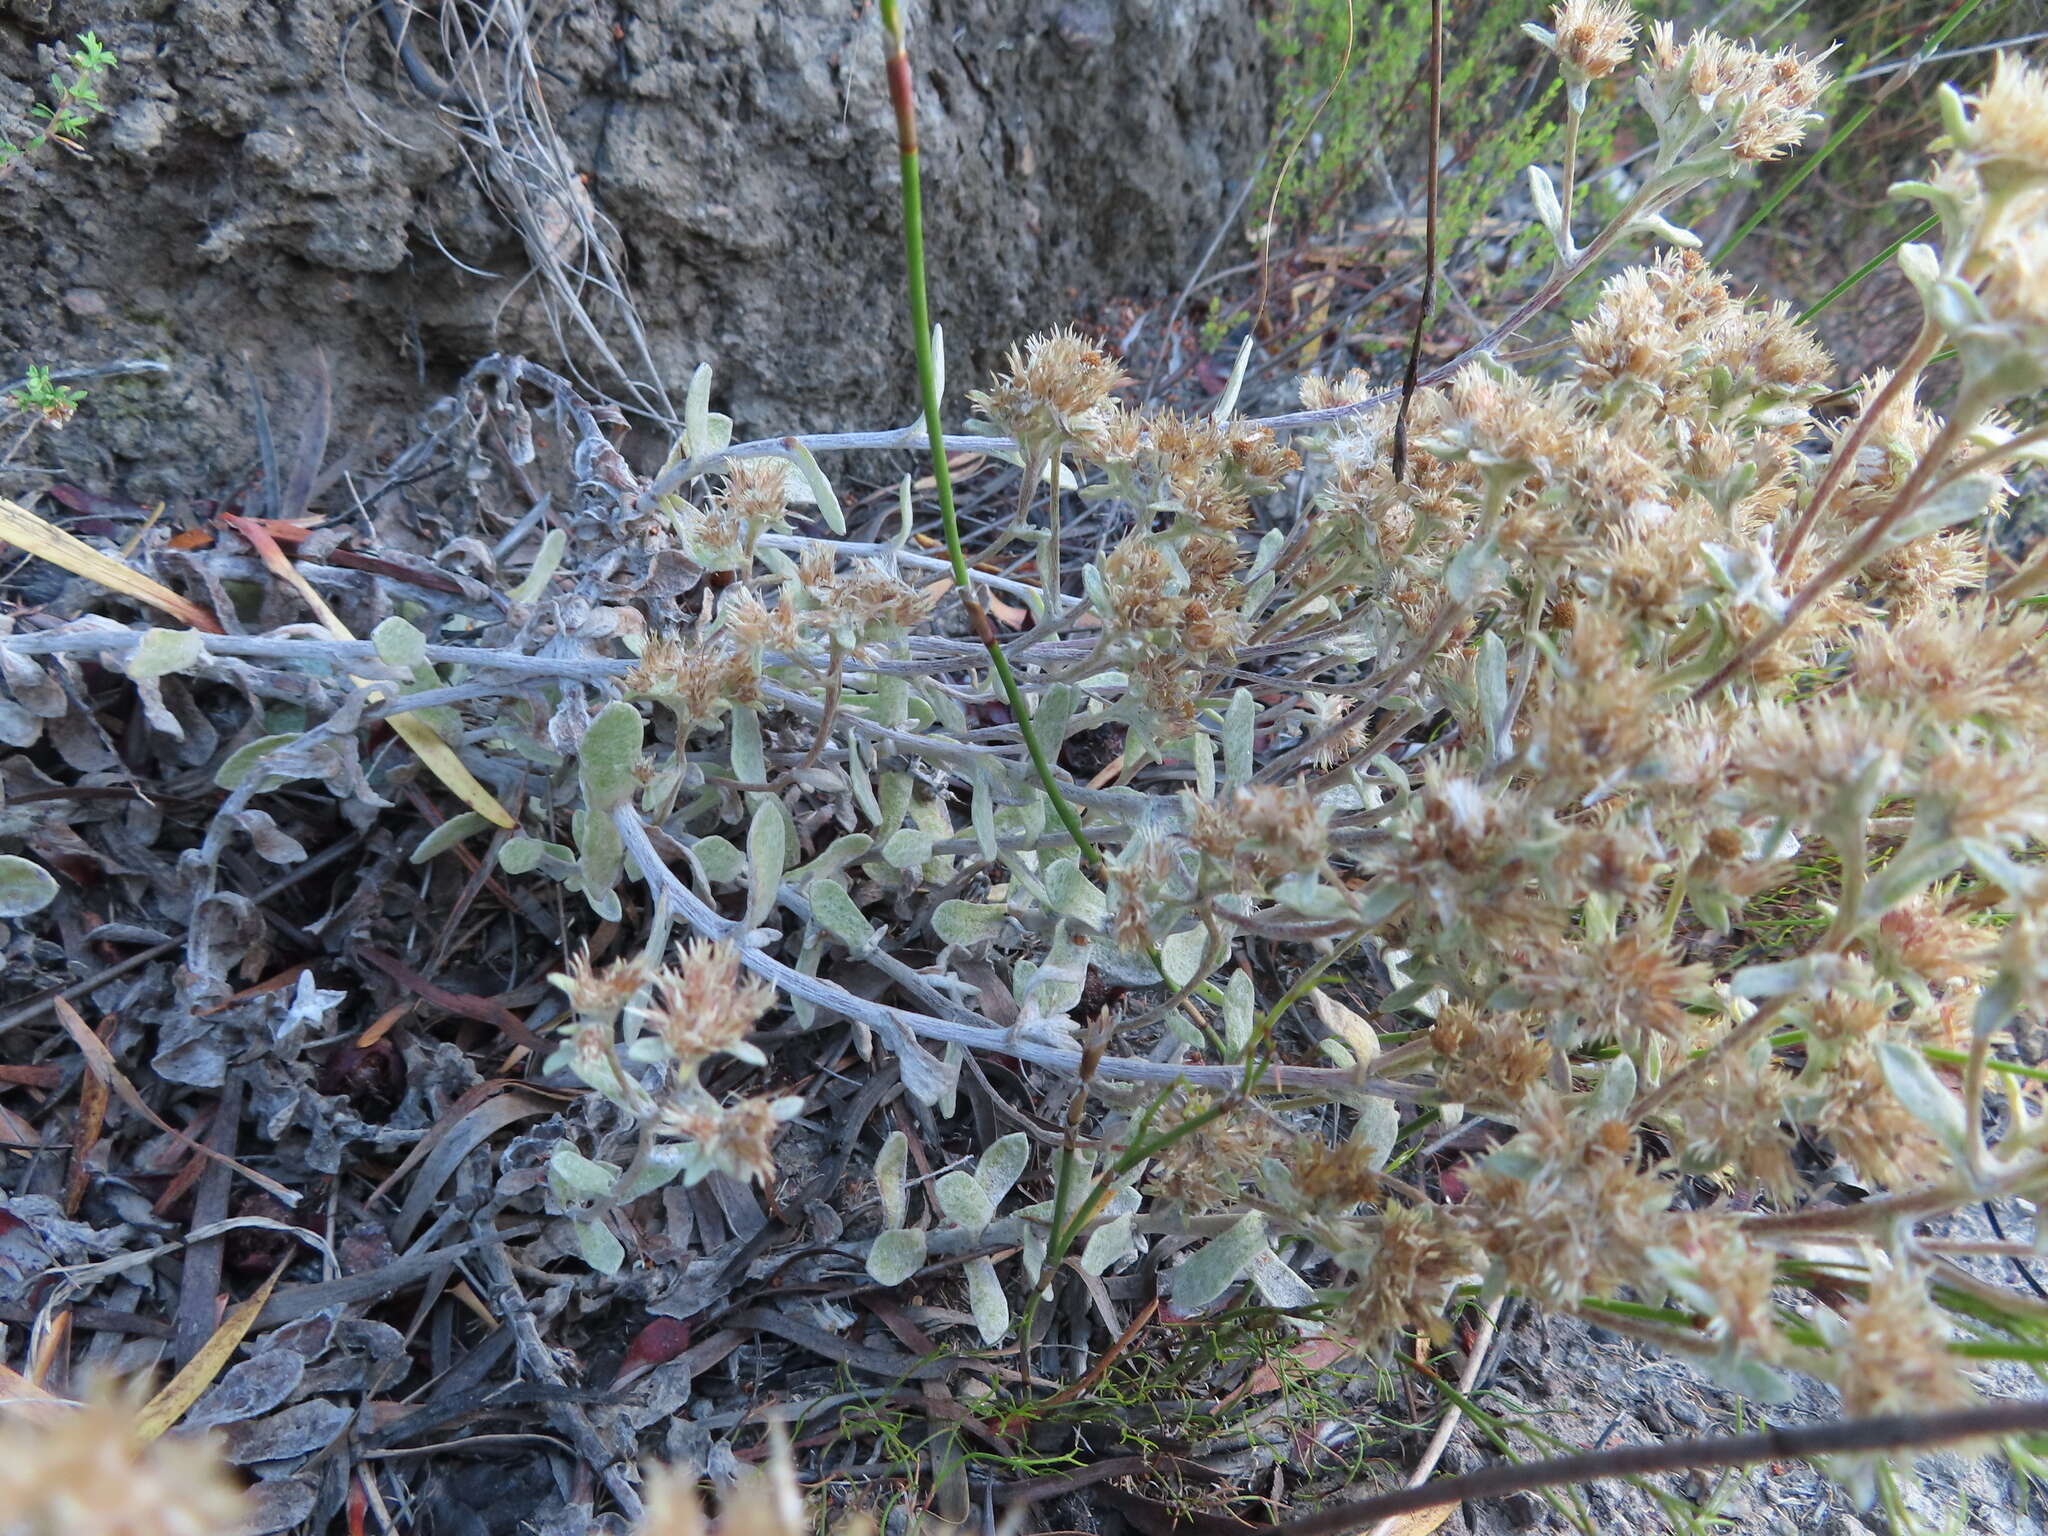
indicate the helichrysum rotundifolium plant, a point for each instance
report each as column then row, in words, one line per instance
column 1636, row 652
column 1634, row 642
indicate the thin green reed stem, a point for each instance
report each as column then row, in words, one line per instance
column 1870, row 266
column 1840, row 136
column 901, row 96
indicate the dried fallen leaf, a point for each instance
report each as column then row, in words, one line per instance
column 45, row 540
column 190, row 1384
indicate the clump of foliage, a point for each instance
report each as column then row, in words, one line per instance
column 1530, row 722
column 74, row 101
column 1350, row 77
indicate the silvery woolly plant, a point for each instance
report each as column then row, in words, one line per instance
column 1636, row 651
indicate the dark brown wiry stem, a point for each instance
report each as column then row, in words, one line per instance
column 1853, row 1436
column 1436, row 133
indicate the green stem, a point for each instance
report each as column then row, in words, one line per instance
column 902, row 97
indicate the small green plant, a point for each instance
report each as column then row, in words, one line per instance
column 74, row 101
column 50, row 403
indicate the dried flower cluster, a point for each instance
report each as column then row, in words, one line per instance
column 84, row 1470
column 1672, row 764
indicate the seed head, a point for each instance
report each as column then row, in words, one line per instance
column 85, row 1471
column 2005, row 135
column 706, row 1004
column 1591, row 38
column 1058, row 387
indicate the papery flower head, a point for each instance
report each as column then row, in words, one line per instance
column 706, row 1003
column 1762, row 103
column 1057, row 387
column 85, row 1470
column 734, row 1139
column 601, row 993
column 2004, row 136
column 1590, row 38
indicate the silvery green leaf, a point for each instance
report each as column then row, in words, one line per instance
column 840, row 915
column 574, row 1177
column 718, row 858
column 1281, row 1287
column 839, row 853
column 1216, row 1265
column 1493, row 683
column 964, row 1201
column 908, row 848
column 1379, row 1124
column 1926, row 1097
column 821, row 488
column 749, row 765
column 986, row 1300
column 523, row 855
column 1238, row 721
column 891, row 1165
column 448, row 834
column 1473, row 570
column 607, row 756
column 981, row 810
column 1108, row 1244
column 1182, row 955
column 242, row 762
column 545, row 564
column 601, row 1250
column 697, row 413
column 894, row 794
column 399, row 644
column 765, row 859
column 600, row 858
column 1227, row 401
column 1072, row 894
column 1002, row 1165
column 1616, row 1089
column 906, row 514
column 1663, row 229
column 1549, row 212
column 896, row 1255
column 1518, row 1158
column 161, row 652
column 1052, row 714
column 1032, row 1258
column 659, row 1168
column 968, row 922
column 1204, row 752
column 1237, row 1013
column 25, row 886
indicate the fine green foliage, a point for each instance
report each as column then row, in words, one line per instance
column 53, row 404
column 73, row 101
column 1359, row 120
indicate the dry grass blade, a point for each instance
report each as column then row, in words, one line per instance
column 424, row 740
column 186, row 1388
column 46, row 541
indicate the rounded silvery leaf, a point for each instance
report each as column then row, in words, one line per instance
column 896, row 1255
column 601, row 1250
column 1002, row 1165
column 890, row 1167
column 1216, row 1266
column 985, row 1298
column 964, row 1201
column 25, row 887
